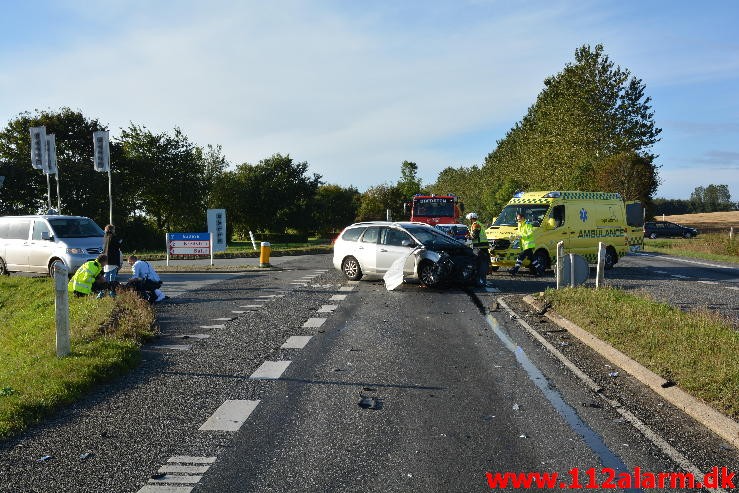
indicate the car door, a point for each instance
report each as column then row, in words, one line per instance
column 367, row 249
column 40, row 250
column 391, row 247
column 16, row 246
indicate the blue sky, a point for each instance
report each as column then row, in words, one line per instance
column 355, row 88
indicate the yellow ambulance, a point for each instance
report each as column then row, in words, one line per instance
column 579, row 219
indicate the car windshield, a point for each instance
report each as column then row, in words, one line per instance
column 433, row 207
column 534, row 213
column 74, row 227
column 431, row 238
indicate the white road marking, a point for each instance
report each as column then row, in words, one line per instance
column 188, row 459
column 338, row 297
column 164, row 488
column 221, row 326
column 267, row 296
column 238, row 311
column 296, row 342
column 176, row 478
column 194, row 336
column 346, row 288
column 686, row 261
column 174, row 347
column 708, row 282
column 327, row 308
column 229, row 416
column 184, row 469
column 735, row 288
column 661, row 272
column 321, row 270
column 352, row 282
column 251, row 306
column 492, row 290
column 678, row 276
column 270, row 370
column 314, row 322
column 315, row 285
column 223, row 319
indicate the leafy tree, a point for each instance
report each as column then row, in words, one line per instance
column 629, row 174
column 169, row 175
column 671, row 206
column 377, row 200
column 713, row 198
column 334, row 208
column 273, row 195
column 409, row 183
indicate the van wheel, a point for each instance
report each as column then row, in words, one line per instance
column 3, row 268
column 51, row 266
column 351, row 269
column 611, row 258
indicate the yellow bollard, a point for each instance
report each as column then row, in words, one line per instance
column 264, row 254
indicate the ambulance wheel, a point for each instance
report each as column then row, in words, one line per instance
column 611, row 258
column 351, row 269
column 3, row 268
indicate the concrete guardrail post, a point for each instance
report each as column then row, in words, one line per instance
column 61, row 306
column 560, row 257
column 599, row 277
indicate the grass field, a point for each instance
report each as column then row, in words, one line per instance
column 697, row 350
column 712, row 242
column 105, row 334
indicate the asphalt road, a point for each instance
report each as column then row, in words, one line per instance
column 450, row 386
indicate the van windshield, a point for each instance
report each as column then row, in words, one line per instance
column 534, row 213
column 75, row 228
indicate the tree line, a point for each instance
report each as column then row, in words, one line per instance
column 712, row 198
column 590, row 128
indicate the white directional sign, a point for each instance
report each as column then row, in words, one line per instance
column 217, row 226
column 102, row 150
column 51, row 154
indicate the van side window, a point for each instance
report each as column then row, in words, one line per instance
column 38, row 228
column 18, row 230
column 558, row 214
column 4, row 229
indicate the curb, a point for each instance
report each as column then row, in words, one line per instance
column 721, row 425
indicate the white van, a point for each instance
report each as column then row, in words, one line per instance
column 36, row 243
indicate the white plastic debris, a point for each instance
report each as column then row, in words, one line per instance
column 394, row 275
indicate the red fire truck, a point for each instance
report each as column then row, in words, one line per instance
column 436, row 209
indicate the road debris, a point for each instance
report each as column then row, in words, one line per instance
column 516, row 407
column 86, row 455
column 372, row 403
column 613, row 374
column 45, row 458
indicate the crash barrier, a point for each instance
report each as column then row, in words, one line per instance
column 189, row 244
column 264, row 254
column 573, row 269
column 61, row 308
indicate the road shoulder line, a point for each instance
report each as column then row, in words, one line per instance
column 721, row 425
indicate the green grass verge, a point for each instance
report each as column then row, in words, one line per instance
column 697, row 350
column 105, row 334
column 276, row 251
column 710, row 246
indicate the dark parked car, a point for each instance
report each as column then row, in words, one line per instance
column 653, row 229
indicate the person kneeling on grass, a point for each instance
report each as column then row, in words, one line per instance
column 145, row 280
column 88, row 278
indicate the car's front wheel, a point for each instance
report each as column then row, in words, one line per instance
column 653, row 235
column 351, row 269
column 688, row 235
column 428, row 274
column 3, row 268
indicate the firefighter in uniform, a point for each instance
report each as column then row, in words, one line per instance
column 85, row 280
column 480, row 243
column 526, row 232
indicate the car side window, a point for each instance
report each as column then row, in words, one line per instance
column 352, row 234
column 38, row 228
column 371, row 235
column 558, row 214
column 18, row 230
column 393, row 237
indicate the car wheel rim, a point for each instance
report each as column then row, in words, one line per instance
column 427, row 275
column 350, row 268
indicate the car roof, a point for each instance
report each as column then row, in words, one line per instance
column 388, row 223
column 44, row 216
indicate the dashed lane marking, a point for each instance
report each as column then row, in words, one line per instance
column 352, row 282
column 184, row 469
column 296, row 342
column 270, row 370
column 177, row 479
column 238, row 311
column 229, row 416
column 267, row 296
column 314, row 322
column 708, row 282
column 164, row 488
column 251, row 306
column 735, row 288
column 338, row 297
column 188, row 459
column 346, row 288
column 220, row 326
column 327, row 308
column 194, row 336
column 223, row 319
column 173, row 347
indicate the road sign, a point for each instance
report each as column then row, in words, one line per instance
column 190, row 244
column 217, row 226
column 102, row 150
column 574, row 267
column 39, row 160
column 51, row 154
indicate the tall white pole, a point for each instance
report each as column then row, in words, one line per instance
column 166, row 243
column 48, row 189
column 58, row 194
column 599, row 279
column 61, row 308
column 211, row 248
column 560, row 262
column 110, row 193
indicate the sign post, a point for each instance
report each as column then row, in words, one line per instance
column 61, row 308
column 101, row 140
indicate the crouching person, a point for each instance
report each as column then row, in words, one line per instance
column 145, row 280
column 89, row 278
